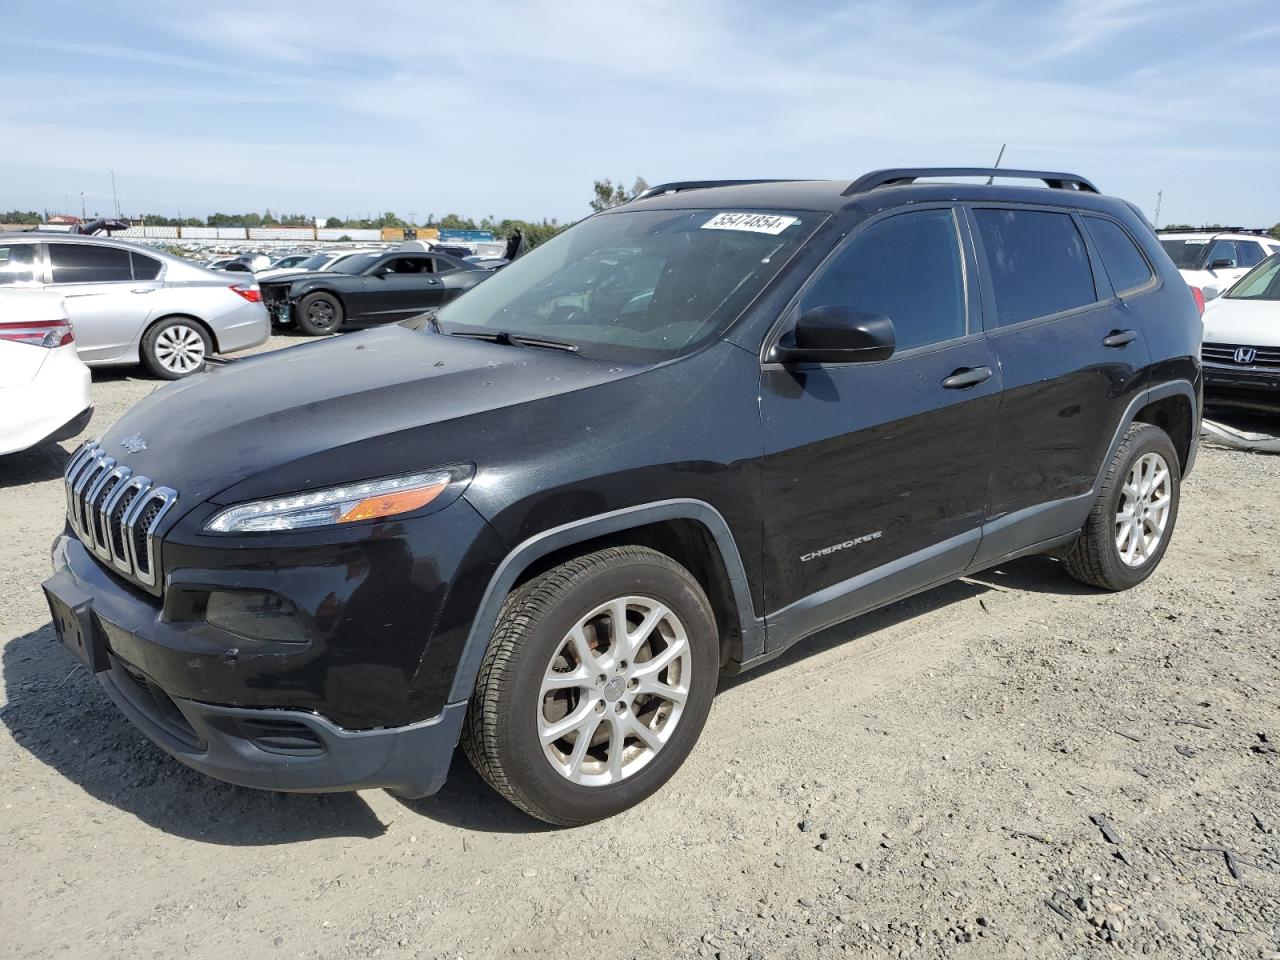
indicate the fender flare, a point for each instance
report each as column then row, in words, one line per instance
column 1160, row 391
column 589, row 528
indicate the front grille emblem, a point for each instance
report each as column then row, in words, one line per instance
column 1246, row 354
column 134, row 444
column 116, row 512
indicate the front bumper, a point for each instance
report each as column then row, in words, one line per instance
column 362, row 704
column 287, row 750
column 1245, row 387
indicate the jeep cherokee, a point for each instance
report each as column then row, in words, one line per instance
column 666, row 445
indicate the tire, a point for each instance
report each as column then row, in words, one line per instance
column 510, row 714
column 1097, row 558
column 319, row 314
column 176, row 347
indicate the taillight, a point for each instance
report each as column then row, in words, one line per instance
column 1198, row 294
column 250, row 291
column 38, row 333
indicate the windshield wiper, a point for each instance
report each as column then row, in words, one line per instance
column 515, row 340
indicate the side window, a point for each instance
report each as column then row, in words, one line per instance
column 144, row 267
column 1249, row 253
column 1124, row 262
column 1037, row 261
column 85, row 263
column 17, row 264
column 909, row 269
column 442, row 265
column 1222, row 250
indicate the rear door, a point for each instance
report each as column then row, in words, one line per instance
column 1072, row 357
column 875, row 474
column 107, row 306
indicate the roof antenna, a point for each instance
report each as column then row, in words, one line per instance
column 999, row 157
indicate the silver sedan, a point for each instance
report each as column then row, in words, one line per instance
column 134, row 304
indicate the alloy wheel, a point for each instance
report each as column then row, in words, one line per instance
column 614, row 691
column 1143, row 514
column 180, row 349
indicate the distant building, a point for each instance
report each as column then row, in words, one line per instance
column 65, row 220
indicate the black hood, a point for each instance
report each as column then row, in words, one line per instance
column 294, row 277
column 358, row 406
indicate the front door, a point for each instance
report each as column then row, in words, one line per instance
column 401, row 287
column 875, row 474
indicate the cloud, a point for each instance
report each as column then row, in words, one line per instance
column 514, row 107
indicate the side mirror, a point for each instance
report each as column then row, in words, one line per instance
column 1210, row 293
column 1222, row 263
column 838, row 335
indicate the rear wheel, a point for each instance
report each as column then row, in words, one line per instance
column 176, row 348
column 319, row 314
column 1132, row 519
column 595, row 686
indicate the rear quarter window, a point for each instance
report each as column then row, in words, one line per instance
column 144, row 267
column 1036, row 261
column 1124, row 262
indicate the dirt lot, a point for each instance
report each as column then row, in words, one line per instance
column 921, row 783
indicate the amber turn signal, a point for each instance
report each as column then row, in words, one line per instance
column 389, row 504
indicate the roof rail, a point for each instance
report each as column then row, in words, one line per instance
column 1259, row 231
column 905, row 175
column 677, row 186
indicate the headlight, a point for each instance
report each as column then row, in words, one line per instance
column 346, row 504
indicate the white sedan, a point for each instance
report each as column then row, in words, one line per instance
column 1241, row 350
column 44, row 385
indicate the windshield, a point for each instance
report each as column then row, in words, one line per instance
column 354, row 263
column 1260, row 283
column 1186, row 254
column 640, row 285
column 313, row 263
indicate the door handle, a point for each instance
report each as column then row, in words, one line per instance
column 144, row 290
column 1119, row 338
column 967, row 377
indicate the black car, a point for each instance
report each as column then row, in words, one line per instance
column 664, row 446
column 367, row 288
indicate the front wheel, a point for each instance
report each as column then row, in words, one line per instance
column 319, row 314
column 595, row 686
column 1132, row 519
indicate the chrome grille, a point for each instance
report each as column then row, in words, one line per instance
column 1225, row 353
column 115, row 512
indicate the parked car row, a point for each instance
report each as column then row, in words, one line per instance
column 131, row 304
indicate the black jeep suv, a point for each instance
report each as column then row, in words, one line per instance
column 666, row 445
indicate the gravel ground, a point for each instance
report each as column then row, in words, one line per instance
column 1012, row 765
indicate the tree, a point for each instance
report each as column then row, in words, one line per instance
column 1275, row 231
column 609, row 194
column 451, row 221
column 333, row 223
column 20, row 216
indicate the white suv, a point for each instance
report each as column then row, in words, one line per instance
column 1215, row 259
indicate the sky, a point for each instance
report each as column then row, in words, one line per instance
column 513, row 109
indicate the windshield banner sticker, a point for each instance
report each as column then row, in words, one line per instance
column 751, row 222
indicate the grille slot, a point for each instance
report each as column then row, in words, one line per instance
column 115, row 513
column 1225, row 353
